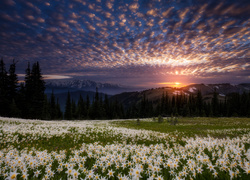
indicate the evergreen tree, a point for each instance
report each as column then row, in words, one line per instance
column 80, row 108
column 107, row 107
column 199, row 103
column 59, row 114
column 34, row 88
column 21, row 101
column 46, row 109
column 14, row 110
column 68, row 108
column 234, row 104
column 95, row 111
column 143, row 104
column 53, row 109
column 3, row 89
column 73, row 109
column 167, row 106
column 28, row 91
column 215, row 104
column 87, row 106
column 243, row 104
column 162, row 105
column 12, row 82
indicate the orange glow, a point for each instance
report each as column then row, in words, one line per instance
column 172, row 84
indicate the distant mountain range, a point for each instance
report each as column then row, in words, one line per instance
column 78, row 87
column 65, row 85
column 129, row 95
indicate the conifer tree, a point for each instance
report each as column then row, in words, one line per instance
column 80, row 108
column 12, row 82
column 27, row 106
column 167, row 107
column 3, row 89
column 199, row 103
column 95, row 111
column 20, row 101
column 87, row 106
column 215, row 104
column 107, row 107
column 143, row 105
column 59, row 114
column 14, row 110
column 68, row 108
column 46, row 109
column 53, row 113
column 73, row 109
column 35, row 86
column 162, row 104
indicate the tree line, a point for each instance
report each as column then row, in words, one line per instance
column 100, row 108
column 28, row 100
column 232, row 105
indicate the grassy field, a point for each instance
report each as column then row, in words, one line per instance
column 194, row 148
column 201, row 126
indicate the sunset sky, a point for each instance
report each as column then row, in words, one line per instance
column 144, row 43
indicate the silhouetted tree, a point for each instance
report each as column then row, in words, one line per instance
column 3, row 89
column 87, row 106
column 53, row 109
column 215, row 104
column 46, row 111
column 68, row 108
column 34, row 91
column 81, row 110
column 199, row 103
column 73, row 109
column 12, row 82
column 59, row 114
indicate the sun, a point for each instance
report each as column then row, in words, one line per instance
column 173, row 84
column 177, row 84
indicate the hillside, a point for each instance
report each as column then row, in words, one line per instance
column 207, row 90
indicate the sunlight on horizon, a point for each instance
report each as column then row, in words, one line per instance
column 173, row 84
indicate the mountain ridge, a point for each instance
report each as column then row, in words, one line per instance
column 207, row 90
column 64, row 85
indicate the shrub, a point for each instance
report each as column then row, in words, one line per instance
column 138, row 122
column 173, row 121
column 160, row 119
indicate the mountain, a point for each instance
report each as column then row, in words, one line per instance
column 65, row 85
column 222, row 89
column 154, row 95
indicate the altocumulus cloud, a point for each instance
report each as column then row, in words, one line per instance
column 129, row 38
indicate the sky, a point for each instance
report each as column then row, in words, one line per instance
column 143, row 43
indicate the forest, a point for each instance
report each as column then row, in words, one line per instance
column 28, row 100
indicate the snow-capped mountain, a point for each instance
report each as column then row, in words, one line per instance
column 65, row 85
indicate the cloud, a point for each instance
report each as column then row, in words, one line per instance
column 9, row 2
column 195, row 38
column 56, row 77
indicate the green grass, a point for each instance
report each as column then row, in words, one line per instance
column 186, row 127
column 83, row 139
column 200, row 126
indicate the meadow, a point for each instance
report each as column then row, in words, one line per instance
column 194, row 148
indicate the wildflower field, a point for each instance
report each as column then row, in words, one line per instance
column 194, row 148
